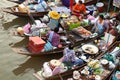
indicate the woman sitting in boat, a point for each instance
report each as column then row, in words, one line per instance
column 79, row 8
column 100, row 26
column 53, row 37
column 69, row 56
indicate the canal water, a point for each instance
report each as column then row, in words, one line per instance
column 14, row 66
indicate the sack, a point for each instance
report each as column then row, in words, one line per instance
column 48, row 46
column 26, row 28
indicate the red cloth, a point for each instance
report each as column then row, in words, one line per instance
column 77, row 9
column 71, row 4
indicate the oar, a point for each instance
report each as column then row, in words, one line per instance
column 29, row 14
column 60, row 76
column 31, row 17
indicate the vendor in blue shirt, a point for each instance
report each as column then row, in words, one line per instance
column 100, row 26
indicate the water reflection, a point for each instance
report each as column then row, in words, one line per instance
column 17, row 22
column 34, row 63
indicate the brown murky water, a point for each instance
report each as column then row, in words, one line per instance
column 15, row 66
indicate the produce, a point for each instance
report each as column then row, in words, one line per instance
column 94, row 64
column 82, row 31
column 98, row 71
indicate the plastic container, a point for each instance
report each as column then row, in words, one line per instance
column 36, row 44
column 100, row 6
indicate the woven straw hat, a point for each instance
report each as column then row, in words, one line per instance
column 54, row 14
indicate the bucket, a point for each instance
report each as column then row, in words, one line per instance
column 91, row 9
column 100, row 6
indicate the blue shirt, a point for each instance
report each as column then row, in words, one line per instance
column 101, row 27
column 69, row 55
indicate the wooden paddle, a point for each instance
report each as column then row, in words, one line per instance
column 29, row 14
column 60, row 76
column 31, row 17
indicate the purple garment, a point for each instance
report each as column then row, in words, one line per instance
column 55, row 39
column 66, row 2
column 69, row 55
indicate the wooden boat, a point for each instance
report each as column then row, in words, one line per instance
column 25, row 51
column 16, row 1
column 110, row 72
column 11, row 10
column 66, row 73
column 74, row 37
column 22, row 48
column 77, row 39
column 19, row 2
column 69, row 72
column 86, row 3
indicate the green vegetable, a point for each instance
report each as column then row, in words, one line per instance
column 98, row 71
column 74, row 25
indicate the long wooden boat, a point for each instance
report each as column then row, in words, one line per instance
column 22, row 48
column 110, row 72
column 66, row 73
column 76, row 39
column 16, row 1
column 69, row 72
column 11, row 10
column 86, row 3
column 19, row 2
column 25, row 51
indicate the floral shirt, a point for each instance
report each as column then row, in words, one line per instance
column 69, row 55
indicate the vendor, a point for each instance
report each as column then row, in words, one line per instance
column 69, row 56
column 79, row 8
column 54, row 19
column 54, row 37
column 100, row 25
